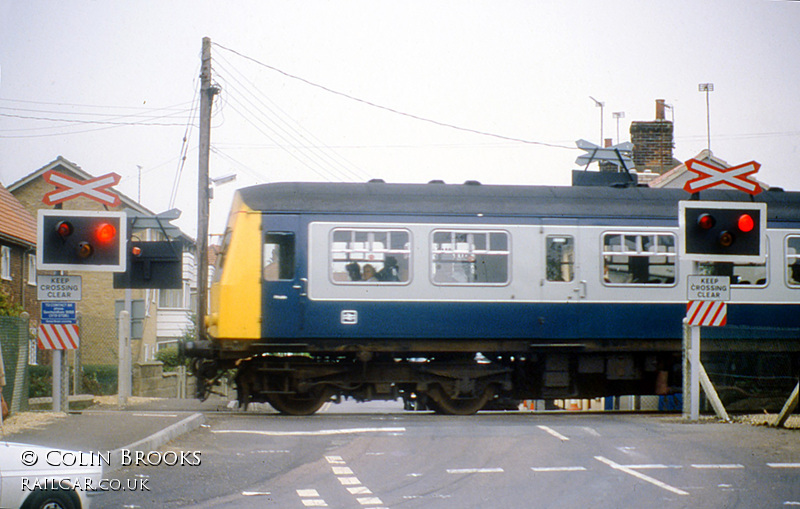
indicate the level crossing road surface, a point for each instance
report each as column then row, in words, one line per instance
column 378, row 456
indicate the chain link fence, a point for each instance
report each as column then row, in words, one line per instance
column 15, row 344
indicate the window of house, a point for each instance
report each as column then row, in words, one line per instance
column 377, row 256
column 278, row 256
column 633, row 258
column 560, row 257
column 470, row 257
column 793, row 260
column 32, row 269
column 5, row 263
column 174, row 298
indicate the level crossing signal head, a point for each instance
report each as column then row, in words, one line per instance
column 723, row 231
column 81, row 240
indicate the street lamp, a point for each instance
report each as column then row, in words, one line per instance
column 618, row 115
column 600, row 105
column 707, row 87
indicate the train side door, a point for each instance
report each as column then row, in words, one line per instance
column 283, row 283
column 563, row 288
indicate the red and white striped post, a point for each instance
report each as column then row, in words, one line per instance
column 707, row 307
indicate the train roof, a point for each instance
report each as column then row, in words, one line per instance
column 495, row 200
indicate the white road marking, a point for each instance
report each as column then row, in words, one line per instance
column 554, row 433
column 349, row 481
column 783, row 465
column 639, row 475
column 310, row 498
column 369, row 501
column 791, row 502
column 359, row 490
column 322, row 432
column 307, row 493
column 155, row 415
column 731, row 466
column 654, row 466
column 475, row 471
column 558, row 469
column 314, row 502
column 342, row 471
column 591, row 431
column 255, row 493
column 334, row 460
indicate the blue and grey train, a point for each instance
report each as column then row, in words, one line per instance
column 461, row 294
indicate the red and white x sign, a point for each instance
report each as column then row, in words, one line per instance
column 734, row 177
column 96, row 189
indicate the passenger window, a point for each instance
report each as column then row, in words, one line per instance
column 469, row 257
column 560, row 258
column 793, row 260
column 370, row 256
column 278, row 256
column 639, row 258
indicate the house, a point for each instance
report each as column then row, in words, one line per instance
column 17, row 254
column 677, row 177
column 160, row 317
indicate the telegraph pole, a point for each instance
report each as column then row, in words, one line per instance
column 207, row 92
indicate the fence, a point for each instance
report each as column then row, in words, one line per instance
column 15, row 343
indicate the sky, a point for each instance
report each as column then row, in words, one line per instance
column 494, row 91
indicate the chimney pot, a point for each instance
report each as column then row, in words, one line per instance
column 659, row 109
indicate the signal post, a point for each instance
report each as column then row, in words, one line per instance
column 715, row 232
column 95, row 241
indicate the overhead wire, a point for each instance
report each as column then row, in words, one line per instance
column 258, row 114
column 185, row 142
column 144, row 116
column 393, row 110
column 287, row 136
column 323, row 150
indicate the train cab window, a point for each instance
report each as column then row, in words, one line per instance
column 370, row 256
column 560, row 258
column 740, row 274
column 793, row 261
column 222, row 256
column 639, row 258
column 469, row 257
column 278, row 256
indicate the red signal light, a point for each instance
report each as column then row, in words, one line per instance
column 706, row 221
column 64, row 229
column 105, row 233
column 746, row 223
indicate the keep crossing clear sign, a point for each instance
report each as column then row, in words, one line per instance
column 58, row 288
column 709, row 288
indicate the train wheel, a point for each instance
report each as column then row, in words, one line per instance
column 444, row 403
column 300, row 404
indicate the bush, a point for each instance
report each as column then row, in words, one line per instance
column 41, row 382
column 171, row 358
column 99, row 380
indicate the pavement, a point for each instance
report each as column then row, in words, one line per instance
column 142, row 425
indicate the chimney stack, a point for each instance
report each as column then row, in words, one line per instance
column 652, row 143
